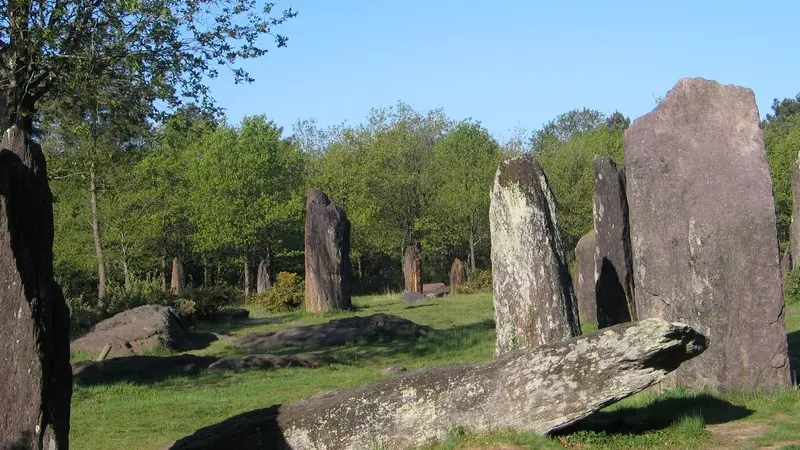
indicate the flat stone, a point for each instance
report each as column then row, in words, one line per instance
column 335, row 332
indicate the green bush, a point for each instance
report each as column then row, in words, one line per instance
column 479, row 280
column 201, row 302
column 137, row 293
column 287, row 293
column 791, row 288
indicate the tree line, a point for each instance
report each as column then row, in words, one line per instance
column 144, row 167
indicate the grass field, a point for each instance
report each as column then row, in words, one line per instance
column 148, row 414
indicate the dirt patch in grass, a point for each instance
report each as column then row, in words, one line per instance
column 737, row 435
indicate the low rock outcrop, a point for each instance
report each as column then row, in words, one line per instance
column 135, row 330
column 539, row 389
column 335, row 332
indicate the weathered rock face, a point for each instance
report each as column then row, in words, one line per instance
column 786, row 263
column 327, row 255
column 412, row 268
column 702, row 218
column 533, row 299
column 614, row 256
column 794, row 229
column 135, row 330
column 458, row 275
column 262, row 277
column 176, row 285
column 35, row 375
column 583, row 279
column 334, row 332
column 541, row 390
column 435, row 290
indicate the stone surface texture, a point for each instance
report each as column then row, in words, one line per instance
column 134, row 331
column 703, row 229
column 613, row 253
column 533, row 299
column 334, row 332
column 412, row 268
column 541, row 390
column 35, row 375
column 458, row 275
column 177, row 281
column 583, row 279
column 327, row 255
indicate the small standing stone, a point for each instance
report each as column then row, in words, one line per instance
column 613, row 258
column 794, row 229
column 583, row 280
column 412, row 268
column 458, row 275
column 327, row 255
column 177, row 276
column 786, row 263
column 533, row 299
column 262, row 277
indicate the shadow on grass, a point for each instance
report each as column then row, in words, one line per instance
column 659, row 414
column 228, row 327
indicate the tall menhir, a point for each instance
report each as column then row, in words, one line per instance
column 35, row 374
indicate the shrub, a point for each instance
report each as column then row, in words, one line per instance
column 136, row 293
column 791, row 288
column 201, row 302
column 479, row 280
column 287, row 293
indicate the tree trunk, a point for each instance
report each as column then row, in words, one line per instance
column 125, row 270
column 98, row 250
column 471, row 248
column 206, row 273
column 246, row 264
column 164, row 275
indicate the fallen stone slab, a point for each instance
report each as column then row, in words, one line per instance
column 435, row 289
column 335, row 332
column 229, row 315
column 135, row 330
column 540, row 389
column 145, row 367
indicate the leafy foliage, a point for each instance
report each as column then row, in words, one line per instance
column 157, row 49
column 570, row 171
column 286, row 294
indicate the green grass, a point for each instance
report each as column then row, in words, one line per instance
column 148, row 414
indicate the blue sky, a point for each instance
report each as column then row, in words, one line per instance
column 513, row 63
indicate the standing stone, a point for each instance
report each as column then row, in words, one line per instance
column 327, row 255
column 412, row 268
column 583, row 280
column 35, row 374
column 786, row 263
column 458, row 275
column 533, row 299
column 702, row 218
column 613, row 256
column 262, row 277
column 794, row 229
column 177, row 282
